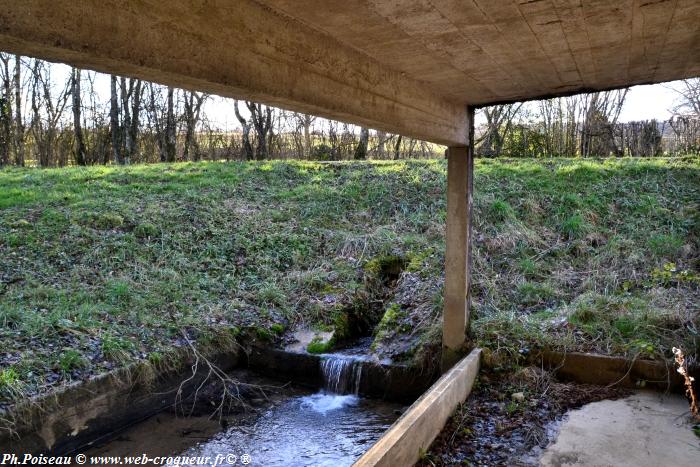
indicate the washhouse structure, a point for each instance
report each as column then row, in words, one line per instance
column 414, row 67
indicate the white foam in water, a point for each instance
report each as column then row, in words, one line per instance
column 323, row 402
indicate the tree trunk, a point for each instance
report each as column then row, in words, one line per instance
column 381, row 145
column 193, row 105
column 114, row 123
column 245, row 127
column 126, row 119
column 262, row 123
column 397, row 147
column 39, row 134
column 155, row 117
column 170, row 130
column 19, row 126
column 361, row 148
column 6, row 112
column 80, row 158
column 133, row 128
column 307, row 119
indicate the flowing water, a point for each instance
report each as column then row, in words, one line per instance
column 332, row 427
column 341, row 374
column 320, row 430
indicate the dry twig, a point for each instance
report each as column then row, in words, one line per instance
column 689, row 391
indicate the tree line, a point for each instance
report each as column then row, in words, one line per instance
column 48, row 121
column 587, row 125
column 50, row 118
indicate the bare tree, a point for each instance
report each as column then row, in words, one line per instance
column 361, row 148
column 193, row 102
column 5, row 110
column 261, row 117
column 600, row 112
column 261, row 122
column 130, row 92
column 397, row 147
column 305, row 121
column 19, row 125
column 156, row 114
column 689, row 98
column 79, row 140
column 170, row 129
column 46, row 113
column 499, row 123
column 245, row 127
column 382, row 138
column 334, row 140
column 114, row 123
column 97, row 139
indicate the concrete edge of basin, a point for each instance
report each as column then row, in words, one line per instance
column 416, row 429
column 393, row 382
column 86, row 412
column 82, row 413
column 609, row 370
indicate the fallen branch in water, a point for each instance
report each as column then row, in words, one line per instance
column 231, row 387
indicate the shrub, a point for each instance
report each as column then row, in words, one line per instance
column 322, row 152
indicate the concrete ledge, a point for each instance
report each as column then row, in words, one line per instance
column 614, row 371
column 422, row 422
column 390, row 382
column 79, row 414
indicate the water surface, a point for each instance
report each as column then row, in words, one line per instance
column 321, row 429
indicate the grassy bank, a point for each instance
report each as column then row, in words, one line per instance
column 103, row 266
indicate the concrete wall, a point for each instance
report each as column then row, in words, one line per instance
column 84, row 412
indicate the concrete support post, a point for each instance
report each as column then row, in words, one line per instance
column 460, row 166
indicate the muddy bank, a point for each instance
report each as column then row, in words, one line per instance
column 509, row 418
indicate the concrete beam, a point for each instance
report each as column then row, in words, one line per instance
column 413, row 433
column 239, row 49
column 455, row 319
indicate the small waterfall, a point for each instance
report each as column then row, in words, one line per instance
column 341, row 374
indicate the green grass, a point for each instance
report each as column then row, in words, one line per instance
column 116, row 263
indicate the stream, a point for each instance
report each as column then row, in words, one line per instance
column 292, row 427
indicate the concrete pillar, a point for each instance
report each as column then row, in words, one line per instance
column 455, row 324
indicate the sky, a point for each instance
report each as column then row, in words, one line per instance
column 642, row 103
column 648, row 102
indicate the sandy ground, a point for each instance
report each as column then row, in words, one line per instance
column 645, row 429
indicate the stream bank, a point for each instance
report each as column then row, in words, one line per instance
column 263, row 384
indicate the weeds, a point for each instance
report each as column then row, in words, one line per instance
column 568, row 253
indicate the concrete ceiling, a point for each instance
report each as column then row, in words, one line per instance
column 406, row 66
